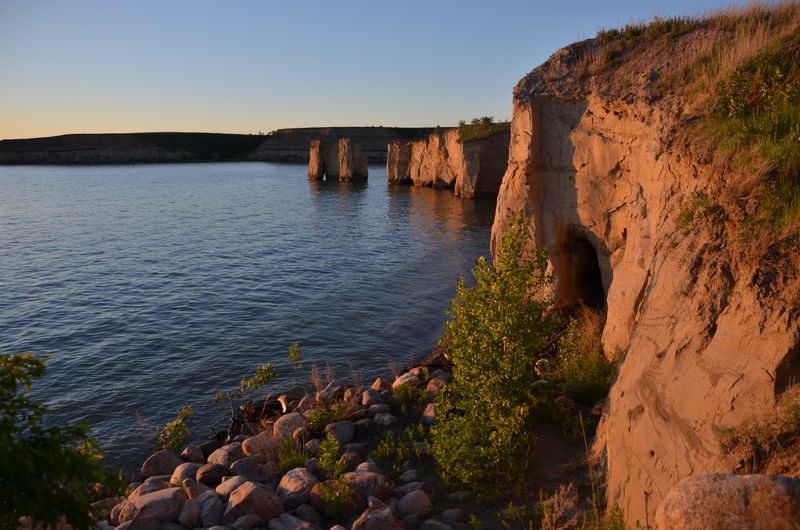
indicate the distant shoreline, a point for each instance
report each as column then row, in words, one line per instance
column 282, row 146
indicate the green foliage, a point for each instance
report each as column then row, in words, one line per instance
column 495, row 329
column 393, row 449
column 582, row 372
column 480, row 128
column 757, row 114
column 336, row 497
column 329, row 459
column 324, row 414
column 290, row 454
column 697, row 205
column 474, row 522
column 262, row 376
column 296, row 356
column 45, row 473
column 409, row 397
column 175, row 433
column 670, row 27
column 520, row 516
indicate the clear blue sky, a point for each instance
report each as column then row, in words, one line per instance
column 248, row 66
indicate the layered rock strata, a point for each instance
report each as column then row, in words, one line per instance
column 707, row 328
column 343, row 161
column 443, row 160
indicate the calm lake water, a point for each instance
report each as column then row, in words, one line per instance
column 153, row 286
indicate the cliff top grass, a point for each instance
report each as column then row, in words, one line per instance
column 732, row 81
column 480, row 128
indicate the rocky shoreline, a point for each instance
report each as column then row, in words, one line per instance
column 242, row 482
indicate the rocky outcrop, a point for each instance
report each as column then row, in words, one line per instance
column 444, row 160
column 708, row 327
column 343, row 161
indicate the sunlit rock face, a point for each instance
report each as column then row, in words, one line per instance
column 444, row 160
column 707, row 329
column 343, row 160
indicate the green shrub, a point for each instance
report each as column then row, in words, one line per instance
column 322, row 415
column 45, row 473
column 393, row 449
column 336, row 498
column 409, row 397
column 290, row 454
column 262, row 376
column 495, row 329
column 329, row 459
column 175, row 433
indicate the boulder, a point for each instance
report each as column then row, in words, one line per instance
column 369, row 484
column 311, row 447
column 164, row 505
column 211, row 509
column 147, row 487
column 287, row 424
column 409, row 475
column 343, row 431
column 307, row 513
column 368, row 466
column 263, row 444
column 295, row 487
column 211, row 474
column 141, row 523
column 253, row 498
column 329, row 394
column 289, row 522
column 227, row 454
column 161, row 462
column 407, row 379
column 378, row 409
column 371, row 397
column 248, row 522
column 187, row 470
column 429, row 414
column 208, row 447
column 193, row 488
column 381, row 384
column 189, row 515
column 192, row 453
column 453, row 515
column 228, row 486
column 384, row 419
column 403, row 490
column 726, row 501
column 250, row 467
column 434, row 524
column 415, row 503
column 379, row 518
column 435, row 385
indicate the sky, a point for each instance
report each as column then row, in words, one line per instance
column 249, row 66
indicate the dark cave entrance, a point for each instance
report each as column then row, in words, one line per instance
column 579, row 277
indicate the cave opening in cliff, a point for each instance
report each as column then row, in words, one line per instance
column 578, row 269
column 587, row 278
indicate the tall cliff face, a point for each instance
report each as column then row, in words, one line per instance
column 708, row 326
column 343, row 161
column 445, row 160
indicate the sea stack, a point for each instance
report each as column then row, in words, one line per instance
column 343, row 160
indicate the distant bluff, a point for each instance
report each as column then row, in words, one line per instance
column 650, row 166
column 282, row 145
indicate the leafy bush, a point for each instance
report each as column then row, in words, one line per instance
column 393, row 449
column 336, row 498
column 409, row 397
column 175, row 433
column 322, row 415
column 496, row 327
column 45, row 473
column 290, row 454
column 263, row 375
column 328, row 457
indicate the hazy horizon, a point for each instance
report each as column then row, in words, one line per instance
column 95, row 67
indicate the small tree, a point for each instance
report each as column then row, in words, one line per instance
column 263, row 375
column 496, row 327
column 45, row 472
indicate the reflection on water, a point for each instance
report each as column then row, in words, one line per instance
column 154, row 286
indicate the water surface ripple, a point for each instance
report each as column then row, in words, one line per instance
column 153, row 286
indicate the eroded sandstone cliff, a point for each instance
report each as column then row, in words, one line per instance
column 445, row 160
column 707, row 323
column 342, row 160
